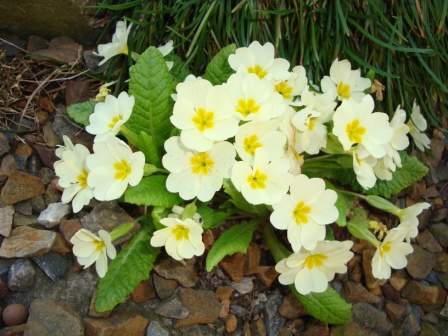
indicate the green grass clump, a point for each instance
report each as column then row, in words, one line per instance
column 404, row 42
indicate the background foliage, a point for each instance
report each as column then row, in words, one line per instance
column 403, row 41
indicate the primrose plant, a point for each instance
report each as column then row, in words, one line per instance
column 253, row 139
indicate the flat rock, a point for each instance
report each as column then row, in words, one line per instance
column 156, row 329
column 144, row 292
column 21, row 276
column 7, row 165
column 426, row 240
column 352, row 328
column 267, row 275
column 272, row 319
column 6, row 220
column 4, row 144
column 233, row 265
column 373, row 284
column 172, row 308
column 428, row 330
column 17, row 330
column 107, row 216
column 49, row 317
column 24, row 207
column 25, row 241
column 77, row 91
column 442, row 262
column 53, row 265
column 394, row 311
column 420, row 294
column 440, row 232
column 291, row 308
column 171, row 269
column 409, row 326
column 21, row 186
column 252, row 259
column 203, row 305
column 53, row 214
column 356, row 292
column 420, row 262
column 367, row 316
column 68, row 228
column 245, row 286
column 164, row 287
column 120, row 323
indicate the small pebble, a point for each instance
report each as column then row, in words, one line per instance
column 15, row 314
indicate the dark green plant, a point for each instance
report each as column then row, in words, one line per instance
column 403, row 42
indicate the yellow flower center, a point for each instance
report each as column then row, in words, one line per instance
column 114, row 121
column 300, row 213
column 122, row 170
column 251, row 144
column 124, row 50
column 315, row 260
column 180, row 232
column 201, row 164
column 355, row 131
column 384, row 249
column 311, row 122
column 82, row 179
column 343, row 90
column 246, row 107
column 258, row 70
column 99, row 245
column 203, row 119
column 284, row 90
column 257, row 180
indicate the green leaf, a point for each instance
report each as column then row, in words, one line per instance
column 236, row 239
column 131, row 266
column 329, row 234
column 152, row 191
column 146, row 145
column 240, row 202
column 179, row 69
column 359, row 227
column 151, row 85
column 81, row 112
column 219, row 70
column 210, row 218
column 327, row 307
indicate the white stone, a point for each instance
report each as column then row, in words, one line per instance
column 53, row 214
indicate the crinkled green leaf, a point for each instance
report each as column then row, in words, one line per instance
column 236, row 239
column 240, row 202
column 131, row 266
column 152, row 85
column 219, row 70
column 147, row 146
column 411, row 171
column 152, row 191
column 210, row 218
column 327, row 307
column 81, row 112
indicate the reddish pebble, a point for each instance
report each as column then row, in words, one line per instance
column 15, row 314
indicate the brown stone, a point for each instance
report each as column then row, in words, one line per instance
column 390, row 293
column 67, row 53
column 50, row 136
column 420, row 294
column 3, row 289
column 42, row 117
column 6, row 220
column 60, row 245
column 164, row 287
column 17, row 330
column 77, row 91
column 36, row 42
column 428, row 330
column 46, row 154
column 119, row 324
column 231, row 323
column 184, row 274
column 14, row 314
column 267, row 275
column 417, row 190
column 25, row 241
column 21, row 186
column 319, row 329
column 7, row 166
column 441, row 262
column 224, row 292
column 233, row 265
column 355, row 272
column 68, row 228
column 203, row 305
column 291, row 308
column 258, row 328
column 92, row 310
column 420, row 262
column 394, row 311
column 373, row 284
column 225, row 308
column 426, row 240
column 143, row 292
column 356, row 292
column 252, row 259
column 440, row 302
column 398, row 282
column 24, row 150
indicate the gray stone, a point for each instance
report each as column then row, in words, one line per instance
column 53, row 214
column 24, row 220
column 5, row 264
column 444, row 311
column 172, row 308
column 440, row 232
column 6, row 219
column 367, row 316
column 409, row 327
column 4, row 144
column 54, row 265
column 24, row 207
column 38, row 203
column 420, row 262
column 21, row 276
column 243, row 287
column 63, row 125
column 238, row 310
column 27, row 242
column 185, row 275
column 107, row 216
column 155, row 329
column 443, row 277
column 272, row 319
column 16, row 44
column 48, row 317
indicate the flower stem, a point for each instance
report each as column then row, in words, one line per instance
column 122, row 229
column 278, row 250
